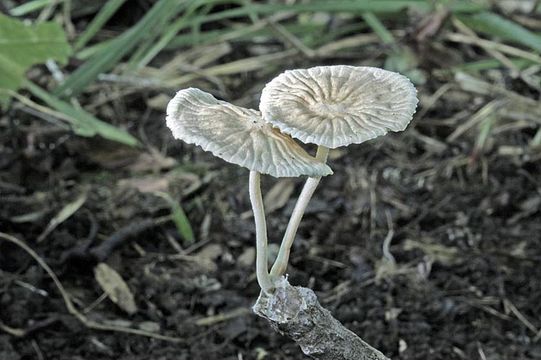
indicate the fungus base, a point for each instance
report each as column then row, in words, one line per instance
column 295, row 311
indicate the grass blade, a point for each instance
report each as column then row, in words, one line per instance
column 349, row 6
column 98, row 21
column 64, row 213
column 495, row 25
column 108, row 57
column 377, row 26
column 179, row 218
column 487, row 64
column 83, row 123
column 29, row 6
column 142, row 59
column 89, row 51
column 146, row 53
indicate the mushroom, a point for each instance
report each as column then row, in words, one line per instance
column 333, row 106
column 240, row 136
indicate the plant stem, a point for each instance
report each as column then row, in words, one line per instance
column 280, row 265
column 256, row 199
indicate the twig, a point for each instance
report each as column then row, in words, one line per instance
column 295, row 312
column 80, row 250
column 71, row 307
column 487, row 44
column 102, row 251
column 37, row 325
column 387, row 241
column 39, row 108
column 483, row 113
column 431, row 101
column 508, row 304
column 460, row 26
column 288, row 37
column 12, row 331
column 36, row 348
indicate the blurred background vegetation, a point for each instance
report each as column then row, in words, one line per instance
column 92, row 181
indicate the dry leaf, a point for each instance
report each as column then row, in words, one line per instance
column 159, row 102
column 446, row 255
column 247, row 258
column 152, row 161
column 115, row 287
column 278, row 195
column 68, row 210
column 188, row 182
column 147, row 184
column 210, row 252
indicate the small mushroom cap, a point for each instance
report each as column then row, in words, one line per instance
column 338, row 105
column 238, row 135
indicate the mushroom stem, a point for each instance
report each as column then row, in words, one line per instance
column 280, row 265
column 262, row 270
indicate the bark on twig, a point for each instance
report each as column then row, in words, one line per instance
column 295, row 312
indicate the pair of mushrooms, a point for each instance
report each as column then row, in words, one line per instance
column 330, row 106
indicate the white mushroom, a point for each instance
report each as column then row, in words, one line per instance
column 338, row 105
column 238, row 136
column 334, row 106
column 241, row 137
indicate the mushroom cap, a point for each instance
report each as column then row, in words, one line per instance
column 238, row 135
column 338, row 105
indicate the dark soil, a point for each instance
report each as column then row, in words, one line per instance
column 465, row 226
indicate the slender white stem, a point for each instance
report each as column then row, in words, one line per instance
column 262, row 270
column 280, row 265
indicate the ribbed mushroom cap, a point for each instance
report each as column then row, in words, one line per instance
column 238, row 135
column 338, row 105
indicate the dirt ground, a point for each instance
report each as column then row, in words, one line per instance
column 459, row 204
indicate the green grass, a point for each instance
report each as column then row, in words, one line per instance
column 105, row 59
column 149, row 37
column 494, row 25
column 178, row 216
column 82, row 122
column 170, row 27
column 29, row 7
column 106, row 12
